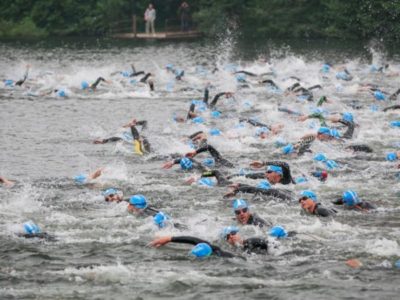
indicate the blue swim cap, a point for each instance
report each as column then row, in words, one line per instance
column 215, row 114
column 261, row 130
column 186, row 163
column 215, row 132
column 331, row 164
column 159, row 219
column 125, row 74
column 348, row 117
column 81, row 179
column 373, row 68
column 391, row 156
column 61, row 93
column 198, row 120
column 206, row 182
column 84, row 85
column 110, row 191
column 8, row 82
column 264, row 184
column 288, row 149
column 278, row 232
column 350, row 198
column 324, row 130
column 276, row 169
column 309, row 194
column 325, row 68
column 31, row 228
column 379, row 95
column 320, row 157
column 209, row 162
column 229, row 230
column 179, row 73
column 239, row 203
column 334, row 133
column 133, row 81
column 240, row 77
column 202, row 250
column 138, row 201
column 395, row 123
column 169, row 66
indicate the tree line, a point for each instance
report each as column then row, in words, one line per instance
column 345, row 19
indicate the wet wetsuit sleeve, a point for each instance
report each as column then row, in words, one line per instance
column 215, row 100
column 142, row 123
column 366, row 205
column 214, row 153
column 112, row 139
column 145, row 77
column 391, row 107
column 136, row 74
column 350, row 129
column 270, row 192
column 246, row 73
column 260, row 175
column 94, row 85
column 218, row 175
column 254, row 244
column 257, row 221
column 255, row 123
column 305, row 144
column 338, row 201
column 194, row 134
column 271, row 83
column 206, row 95
column 293, row 87
column 317, row 86
column 135, row 133
column 21, row 81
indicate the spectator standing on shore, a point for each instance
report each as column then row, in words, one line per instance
column 149, row 17
column 184, row 11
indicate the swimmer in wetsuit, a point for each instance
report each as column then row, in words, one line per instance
column 309, row 204
column 276, row 172
column 263, row 189
column 350, row 200
column 245, row 217
column 219, row 160
column 32, row 231
column 9, row 82
column 141, row 143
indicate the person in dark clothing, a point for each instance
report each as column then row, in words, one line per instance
column 31, row 231
column 393, row 107
column 184, row 11
column 92, row 87
column 261, row 189
column 141, row 144
column 10, row 82
column 185, row 163
column 308, row 202
column 161, row 241
column 216, row 97
column 214, row 153
column 350, row 200
column 245, row 217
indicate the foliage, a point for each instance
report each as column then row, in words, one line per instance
column 256, row 18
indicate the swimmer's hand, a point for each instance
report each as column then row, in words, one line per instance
column 256, row 164
column 161, row 241
column 6, row 182
column 130, row 124
column 99, row 141
column 191, row 180
column 168, row 165
column 191, row 154
column 302, row 118
column 96, row 173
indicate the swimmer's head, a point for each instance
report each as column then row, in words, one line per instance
column 288, row 149
column 31, row 228
column 84, row 85
column 391, row 156
column 80, row 179
column 201, row 250
column 209, row 162
column 278, row 232
column 229, row 230
column 262, row 132
column 186, row 163
column 111, row 195
column 169, row 66
column 264, row 184
column 308, row 194
column 138, row 201
column 320, row 157
column 347, row 116
column 241, row 210
column 215, row 132
column 379, row 95
column 274, row 174
column 160, row 219
column 350, row 198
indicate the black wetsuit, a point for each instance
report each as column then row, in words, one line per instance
column 145, row 145
column 150, row 211
column 394, row 95
column 255, row 245
column 21, row 81
column 282, row 195
column 191, row 111
column 216, row 155
column 254, row 123
column 363, row 205
column 321, row 211
column 391, row 107
column 196, row 165
column 145, row 77
column 257, row 221
column 96, row 83
column 42, row 236
column 246, row 73
column 215, row 100
column 194, row 241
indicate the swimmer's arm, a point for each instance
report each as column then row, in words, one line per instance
column 246, row 73
column 95, row 174
column 215, row 100
column 191, row 113
column 338, row 201
column 104, row 141
column 6, row 182
column 21, row 81
column 206, row 95
column 391, row 107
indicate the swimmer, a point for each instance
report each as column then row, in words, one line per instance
column 219, row 160
column 186, row 164
column 9, row 82
column 33, row 231
column 309, row 204
column 275, row 128
column 250, row 245
column 141, row 143
column 350, row 200
column 92, row 87
column 210, row 250
column 276, row 171
column 84, row 178
column 245, row 217
column 262, row 189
